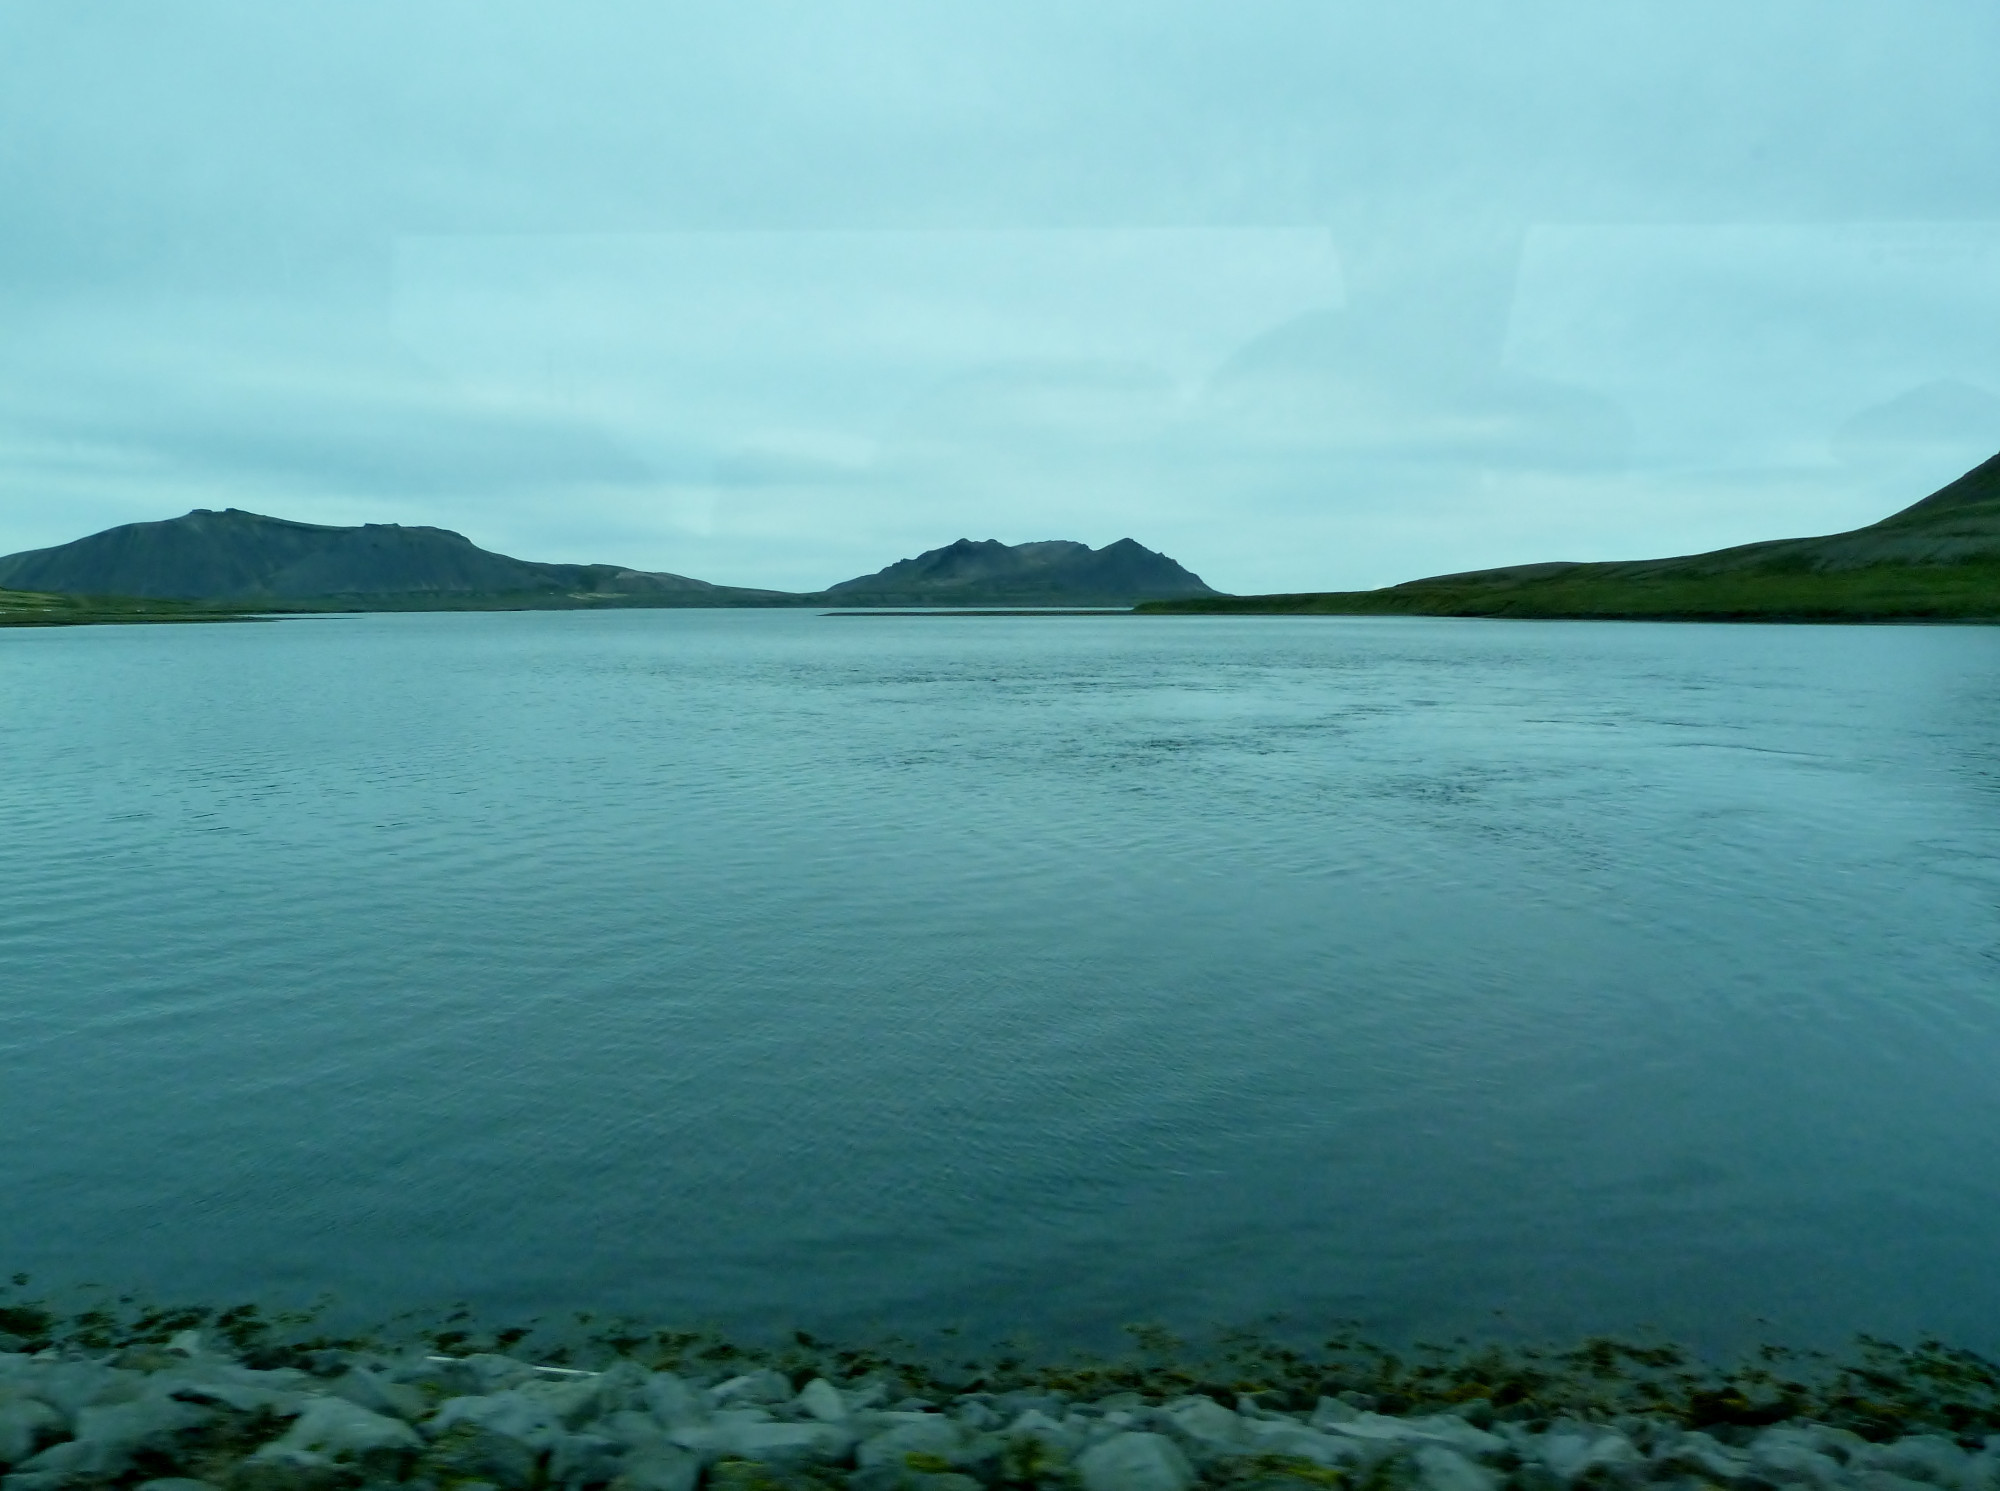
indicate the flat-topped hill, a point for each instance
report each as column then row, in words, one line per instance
column 1054, row 572
column 1935, row 560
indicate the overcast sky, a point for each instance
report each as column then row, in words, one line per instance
column 1308, row 294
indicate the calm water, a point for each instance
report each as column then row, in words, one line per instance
column 1040, row 975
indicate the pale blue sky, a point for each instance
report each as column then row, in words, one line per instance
column 1306, row 294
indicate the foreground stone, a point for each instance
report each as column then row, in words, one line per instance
column 193, row 1418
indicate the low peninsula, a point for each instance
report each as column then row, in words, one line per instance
column 1936, row 560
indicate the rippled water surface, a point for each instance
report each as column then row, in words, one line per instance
column 1027, row 974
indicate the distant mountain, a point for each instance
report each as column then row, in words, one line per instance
column 1056, row 572
column 237, row 558
column 244, row 558
column 1937, row 559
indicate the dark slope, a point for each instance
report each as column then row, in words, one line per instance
column 1055, row 572
column 1936, row 560
column 246, row 559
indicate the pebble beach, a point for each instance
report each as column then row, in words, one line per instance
column 197, row 1411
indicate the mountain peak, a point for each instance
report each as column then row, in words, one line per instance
column 1045, row 572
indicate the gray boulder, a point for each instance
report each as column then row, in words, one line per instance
column 379, row 1394
column 502, row 1437
column 632, row 1428
column 765, row 1441
column 1135, row 1462
column 621, row 1387
column 673, row 1402
column 1569, row 1455
column 1441, row 1468
column 510, row 1415
column 71, row 1387
column 585, row 1460
column 766, row 1386
column 1331, row 1411
column 1276, row 1436
column 1442, row 1428
column 343, row 1430
column 1206, row 1427
column 1053, row 1436
column 1789, row 1456
column 658, row 1467
column 821, row 1400
column 106, row 1440
column 1888, row 1480
column 26, row 1425
column 1920, row 1457
column 929, row 1436
column 1699, row 1455
column 573, row 1400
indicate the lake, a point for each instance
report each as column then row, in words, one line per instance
column 1029, row 975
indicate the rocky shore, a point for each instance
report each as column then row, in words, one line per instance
column 192, row 1413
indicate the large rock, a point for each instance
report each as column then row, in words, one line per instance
column 511, row 1415
column 26, row 1425
column 379, row 1394
column 1703, row 1456
column 1791, row 1457
column 1135, row 1462
column 70, row 1387
column 1570, row 1455
column 501, row 1437
column 1443, row 1428
column 767, row 1386
column 573, row 1400
column 346, row 1431
column 673, row 1402
column 766, row 1441
column 1033, row 1426
column 585, row 1460
column 107, row 1439
column 1297, row 1442
column 1920, row 1457
column 1208, row 1427
column 658, row 1467
column 1440, row 1468
column 619, row 1388
column 820, row 1399
column 928, row 1436
column 244, row 1391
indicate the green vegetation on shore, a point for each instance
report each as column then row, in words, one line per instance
column 1883, row 592
column 37, row 608
column 1878, row 1390
column 1936, row 560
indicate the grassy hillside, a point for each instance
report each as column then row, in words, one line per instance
column 1888, row 592
column 1936, row 560
column 34, row 608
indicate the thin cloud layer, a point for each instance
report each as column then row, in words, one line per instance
column 1306, row 294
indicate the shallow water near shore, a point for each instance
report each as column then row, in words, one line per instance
column 1031, row 975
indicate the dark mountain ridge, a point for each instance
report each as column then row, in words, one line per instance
column 1053, row 571
column 244, row 559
